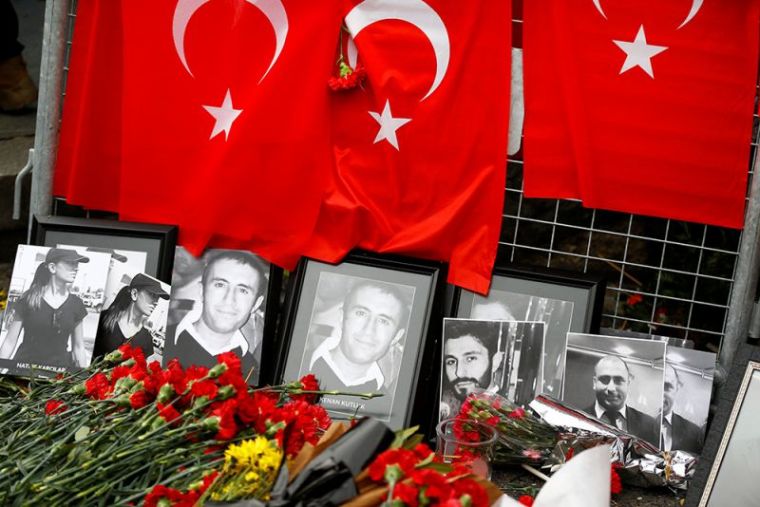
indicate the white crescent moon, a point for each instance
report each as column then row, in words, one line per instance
column 415, row 12
column 695, row 6
column 272, row 9
column 598, row 5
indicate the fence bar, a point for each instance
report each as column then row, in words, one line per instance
column 48, row 106
column 742, row 298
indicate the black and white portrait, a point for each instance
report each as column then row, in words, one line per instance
column 356, row 337
column 556, row 314
column 217, row 305
column 136, row 315
column 686, row 400
column 501, row 357
column 124, row 265
column 54, row 304
column 617, row 380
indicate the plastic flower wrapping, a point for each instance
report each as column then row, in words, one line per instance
column 124, row 432
column 550, row 433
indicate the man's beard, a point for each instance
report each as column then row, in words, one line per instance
column 462, row 387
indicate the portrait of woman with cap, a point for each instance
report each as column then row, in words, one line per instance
column 124, row 321
column 49, row 315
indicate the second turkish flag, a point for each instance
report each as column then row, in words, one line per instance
column 644, row 107
column 420, row 149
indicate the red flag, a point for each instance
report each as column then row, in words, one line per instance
column 89, row 148
column 224, row 119
column 643, row 107
column 420, row 148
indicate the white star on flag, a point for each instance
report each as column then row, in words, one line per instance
column 388, row 125
column 639, row 53
column 225, row 115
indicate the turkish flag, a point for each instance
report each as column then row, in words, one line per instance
column 420, row 147
column 643, row 107
column 225, row 108
column 88, row 160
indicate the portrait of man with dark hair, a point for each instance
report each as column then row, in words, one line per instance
column 678, row 432
column 233, row 285
column 373, row 318
column 473, row 357
column 355, row 342
column 611, row 381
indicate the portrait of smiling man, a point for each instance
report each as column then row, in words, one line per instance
column 373, row 318
column 611, row 380
column 472, row 356
column 233, row 283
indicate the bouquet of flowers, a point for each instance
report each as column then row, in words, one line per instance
column 128, row 433
column 122, row 431
column 522, row 437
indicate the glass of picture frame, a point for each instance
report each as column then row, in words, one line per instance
column 564, row 301
column 370, row 324
column 728, row 466
column 156, row 241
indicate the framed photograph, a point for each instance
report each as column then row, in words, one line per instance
column 617, row 380
column 225, row 300
column 728, row 469
column 502, row 357
column 370, row 324
column 686, row 401
column 564, row 302
column 54, row 304
column 126, row 239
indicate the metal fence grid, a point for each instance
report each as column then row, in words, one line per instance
column 665, row 277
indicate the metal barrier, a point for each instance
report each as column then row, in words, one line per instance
column 664, row 276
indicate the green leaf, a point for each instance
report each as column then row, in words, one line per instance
column 81, row 433
column 412, row 441
column 402, row 436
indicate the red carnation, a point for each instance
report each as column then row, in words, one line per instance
column 97, row 386
column 138, row 399
column 229, row 359
column 526, row 500
column 161, row 492
column 53, row 407
column 422, row 451
column 616, row 485
column 406, row 493
column 478, row 496
column 168, row 413
column 517, row 413
column 404, row 459
column 634, row 299
column 207, row 388
column 307, row 383
column 253, row 410
column 436, row 485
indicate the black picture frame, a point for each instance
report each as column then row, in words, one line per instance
column 412, row 401
column 157, row 240
column 585, row 291
column 732, row 399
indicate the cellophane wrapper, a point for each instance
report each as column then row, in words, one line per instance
column 641, row 463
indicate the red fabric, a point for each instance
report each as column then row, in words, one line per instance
column 89, row 149
column 675, row 145
column 440, row 194
column 263, row 184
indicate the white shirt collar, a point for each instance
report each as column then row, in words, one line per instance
column 187, row 324
column 323, row 352
column 601, row 410
column 668, row 417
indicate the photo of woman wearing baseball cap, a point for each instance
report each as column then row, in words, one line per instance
column 48, row 318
